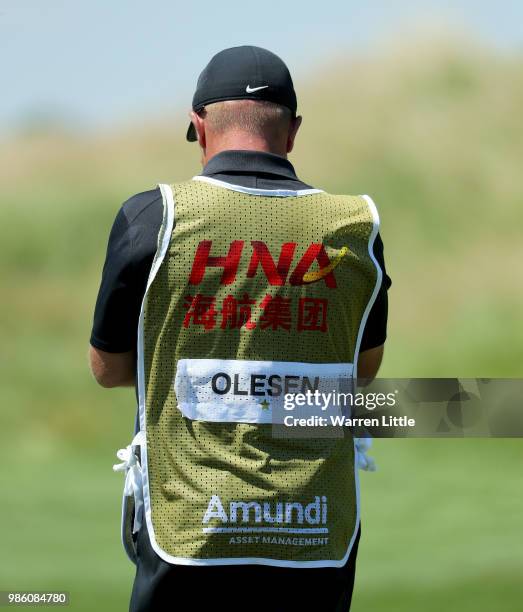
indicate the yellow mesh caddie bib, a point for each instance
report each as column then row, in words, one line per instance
column 254, row 293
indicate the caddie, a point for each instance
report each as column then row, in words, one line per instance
column 218, row 295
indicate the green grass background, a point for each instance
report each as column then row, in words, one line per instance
column 432, row 131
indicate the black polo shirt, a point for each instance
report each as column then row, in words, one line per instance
column 133, row 241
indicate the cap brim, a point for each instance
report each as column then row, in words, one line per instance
column 191, row 133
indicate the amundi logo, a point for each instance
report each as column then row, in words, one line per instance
column 287, row 517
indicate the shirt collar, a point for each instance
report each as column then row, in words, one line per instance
column 249, row 162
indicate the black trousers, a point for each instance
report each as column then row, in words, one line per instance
column 162, row 587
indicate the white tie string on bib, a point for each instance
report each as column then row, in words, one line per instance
column 133, row 476
column 365, row 462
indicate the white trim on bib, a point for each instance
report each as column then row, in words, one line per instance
column 279, row 193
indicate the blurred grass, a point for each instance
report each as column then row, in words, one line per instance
column 431, row 131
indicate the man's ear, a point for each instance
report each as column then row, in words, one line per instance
column 199, row 127
column 293, row 130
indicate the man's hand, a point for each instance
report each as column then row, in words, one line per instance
column 113, row 369
column 369, row 363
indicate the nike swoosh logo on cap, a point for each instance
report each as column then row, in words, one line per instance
column 250, row 89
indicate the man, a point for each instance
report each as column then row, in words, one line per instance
column 228, row 290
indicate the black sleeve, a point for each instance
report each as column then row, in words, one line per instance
column 375, row 332
column 130, row 252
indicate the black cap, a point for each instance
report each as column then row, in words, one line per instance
column 243, row 73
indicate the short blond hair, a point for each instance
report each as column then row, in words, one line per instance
column 258, row 117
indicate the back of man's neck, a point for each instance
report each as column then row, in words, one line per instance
column 242, row 143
